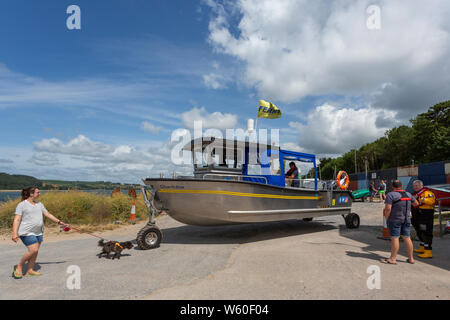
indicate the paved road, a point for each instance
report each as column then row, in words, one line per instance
column 283, row 260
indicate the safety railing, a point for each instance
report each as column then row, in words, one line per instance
column 441, row 233
column 306, row 184
column 292, row 183
column 238, row 176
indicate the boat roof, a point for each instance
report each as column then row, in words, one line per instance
column 236, row 144
column 200, row 144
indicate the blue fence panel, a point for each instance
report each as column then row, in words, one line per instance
column 435, row 179
column 432, row 169
column 362, row 184
column 432, row 173
column 362, row 176
column 387, row 174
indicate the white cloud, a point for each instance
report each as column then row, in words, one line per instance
column 221, row 76
column 44, row 159
column 84, row 149
column 80, row 146
column 214, row 81
column 84, row 159
column 216, row 120
column 147, row 126
column 295, row 48
column 291, row 146
column 330, row 130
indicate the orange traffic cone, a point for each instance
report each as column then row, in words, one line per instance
column 385, row 235
column 133, row 212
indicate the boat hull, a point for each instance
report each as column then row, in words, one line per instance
column 213, row 202
column 442, row 192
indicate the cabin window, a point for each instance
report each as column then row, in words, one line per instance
column 234, row 158
column 275, row 169
column 306, row 178
column 220, row 158
column 201, row 159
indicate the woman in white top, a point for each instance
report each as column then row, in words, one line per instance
column 28, row 225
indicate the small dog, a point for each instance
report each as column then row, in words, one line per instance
column 113, row 246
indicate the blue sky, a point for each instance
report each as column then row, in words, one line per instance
column 138, row 70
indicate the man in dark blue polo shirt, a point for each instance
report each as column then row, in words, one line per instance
column 397, row 212
column 293, row 173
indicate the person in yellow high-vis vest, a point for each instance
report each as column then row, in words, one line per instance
column 423, row 219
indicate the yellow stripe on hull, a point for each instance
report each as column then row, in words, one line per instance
column 239, row 194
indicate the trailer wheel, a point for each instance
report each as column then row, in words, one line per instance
column 307, row 219
column 352, row 221
column 149, row 237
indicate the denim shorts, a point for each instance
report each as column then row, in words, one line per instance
column 29, row 240
column 397, row 229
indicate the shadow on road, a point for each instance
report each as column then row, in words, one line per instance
column 53, row 262
column 369, row 235
column 110, row 257
column 37, row 265
column 244, row 233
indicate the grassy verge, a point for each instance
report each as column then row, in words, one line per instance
column 92, row 211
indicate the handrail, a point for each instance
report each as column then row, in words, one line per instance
column 441, row 234
column 233, row 175
column 302, row 183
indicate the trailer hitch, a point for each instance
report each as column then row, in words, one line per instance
column 151, row 208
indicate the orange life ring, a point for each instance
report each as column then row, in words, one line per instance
column 342, row 180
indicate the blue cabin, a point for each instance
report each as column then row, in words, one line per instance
column 236, row 160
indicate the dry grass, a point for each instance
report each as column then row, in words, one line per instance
column 89, row 210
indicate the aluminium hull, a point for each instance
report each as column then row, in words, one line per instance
column 441, row 192
column 218, row 202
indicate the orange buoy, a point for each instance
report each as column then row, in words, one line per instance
column 342, row 180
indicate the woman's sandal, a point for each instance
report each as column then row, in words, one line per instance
column 33, row 274
column 17, row 275
column 409, row 261
column 387, row 261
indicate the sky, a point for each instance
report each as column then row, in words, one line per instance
column 101, row 103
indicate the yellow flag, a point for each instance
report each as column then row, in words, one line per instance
column 268, row 110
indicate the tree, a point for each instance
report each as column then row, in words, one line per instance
column 431, row 134
column 427, row 140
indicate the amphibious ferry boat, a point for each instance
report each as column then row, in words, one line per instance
column 242, row 182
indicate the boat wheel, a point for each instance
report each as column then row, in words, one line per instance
column 149, row 237
column 352, row 221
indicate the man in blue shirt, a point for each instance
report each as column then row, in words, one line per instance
column 293, row 173
column 397, row 212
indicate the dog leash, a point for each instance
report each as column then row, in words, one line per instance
column 91, row 234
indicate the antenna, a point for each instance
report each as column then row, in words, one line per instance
column 250, row 125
